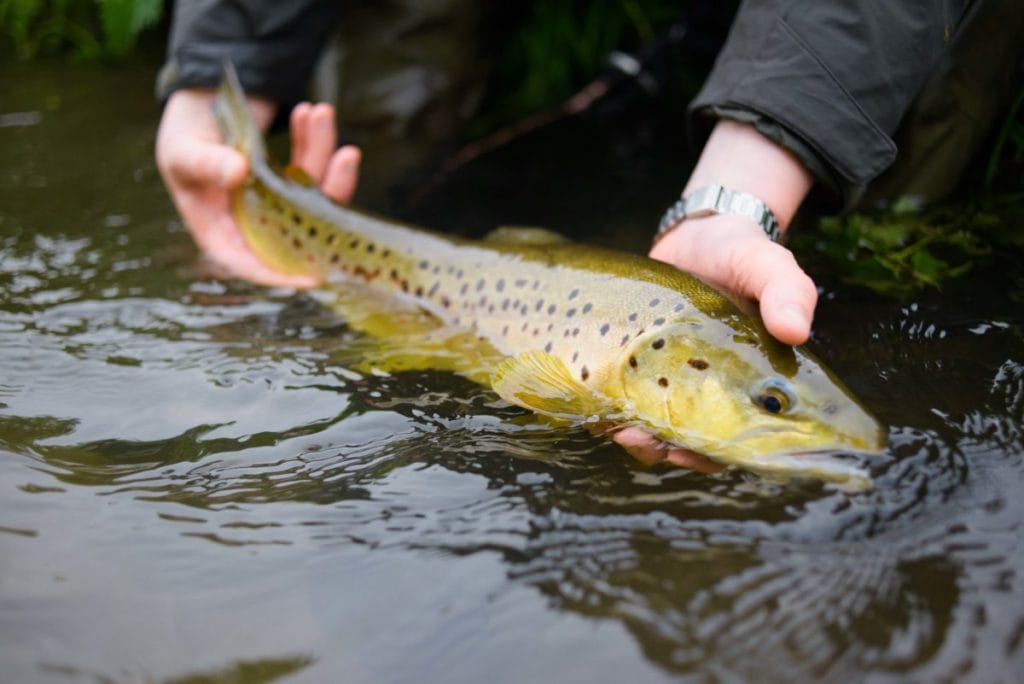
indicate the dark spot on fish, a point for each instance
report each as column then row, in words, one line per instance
column 540, row 304
column 263, row 220
column 699, row 364
column 330, row 238
column 566, row 333
column 464, row 288
column 525, row 326
column 632, row 362
column 483, row 300
column 570, row 313
column 584, row 374
column 604, row 329
column 524, row 309
column 445, row 302
column 480, row 284
column 405, row 285
column 655, row 302
column 551, row 326
column 678, row 307
column 386, row 253
column 297, row 243
column 310, row 258
column 586, row 308
column 659, row 321
column 574, row 294
column 353, row 244
column 436, row 270
column 548, row 347
column 394, row 274
column 551, row 309
column 625, row 339
column 282, row 230
column 296, row 218
column 424, row 264
column 536, row 331
column 575, row 332
column 575, row 355
column 370, row 247
column 419, row 291
column 536, row 284
column 433, row 289
column 663, row 381
column 504, row 304
column 490, row 309
column 312, row 232
column 500, row 285
column 334, row 258
column 459, row 274
column 520, row 282
column 504, row 331
column 658, row 343
column 632, row 316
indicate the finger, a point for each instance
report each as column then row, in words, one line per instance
column 649, row 450
column 316, row 139
column 203, row 164
column 342, row 175
column 297, row 126
column 769, row 273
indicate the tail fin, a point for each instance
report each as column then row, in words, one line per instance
column 236, row 122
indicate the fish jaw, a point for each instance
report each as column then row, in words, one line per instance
column 700, row 389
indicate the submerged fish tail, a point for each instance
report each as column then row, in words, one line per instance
column 236, row 122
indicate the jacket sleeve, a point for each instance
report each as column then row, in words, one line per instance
column 829, row 79
column 273, row 45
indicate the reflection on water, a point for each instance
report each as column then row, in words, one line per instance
column 195, row 485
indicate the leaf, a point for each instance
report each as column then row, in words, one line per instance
column 123, row 20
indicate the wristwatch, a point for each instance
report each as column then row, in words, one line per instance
column 715, row 199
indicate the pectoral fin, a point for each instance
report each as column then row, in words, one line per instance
column 541, row 382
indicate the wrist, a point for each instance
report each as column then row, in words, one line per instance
column 736, row 156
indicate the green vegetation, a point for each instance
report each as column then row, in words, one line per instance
column 79, row 29
column 905, row 249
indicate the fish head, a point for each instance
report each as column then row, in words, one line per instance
column 730, row 391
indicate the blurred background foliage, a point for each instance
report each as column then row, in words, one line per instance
column 75, row 29
column 555, row 47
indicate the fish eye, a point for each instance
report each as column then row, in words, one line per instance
column 775, row 396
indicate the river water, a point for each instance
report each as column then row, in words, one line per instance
column 196, row 487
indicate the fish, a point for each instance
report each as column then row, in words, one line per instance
column 570, row 331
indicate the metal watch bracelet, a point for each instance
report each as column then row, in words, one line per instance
column 715, row 199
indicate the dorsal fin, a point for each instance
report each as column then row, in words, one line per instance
column 525, row 235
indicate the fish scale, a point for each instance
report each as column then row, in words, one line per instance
column 580, row 333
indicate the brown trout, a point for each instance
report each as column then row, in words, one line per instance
column 567, row 330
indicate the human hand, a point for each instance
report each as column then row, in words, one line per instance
column 735, row 254
column 199, row 170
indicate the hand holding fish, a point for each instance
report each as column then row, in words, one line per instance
column 199, row 171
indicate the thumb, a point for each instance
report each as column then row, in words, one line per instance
column 786, row 295
column 202, row 163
